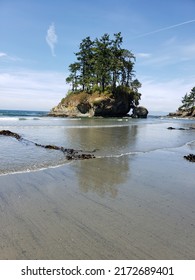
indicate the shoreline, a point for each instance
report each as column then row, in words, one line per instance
column 81, row 210
column 63, row 164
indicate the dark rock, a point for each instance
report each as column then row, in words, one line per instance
column 11, row 134
column 140, row 112
column 180, row 128
column 51, row 147
column 68, row 151
column 84, row 107
column 68, row 157
column 76, row 156
column 111, row 107
column 190, row 157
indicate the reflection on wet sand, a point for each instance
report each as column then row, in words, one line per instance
column 109, row 170
column 108, row 140
column 109, row 174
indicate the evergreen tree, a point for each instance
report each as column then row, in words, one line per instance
column 127, row 68
column 188, row 100
column 192, row 97
column 116, row 55
column 74, row 77
column 103, row 63
column 85, row 59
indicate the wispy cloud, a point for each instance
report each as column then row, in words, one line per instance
column 143, row 55
column 170, row 42
column 2, row 54
column 158, row 60
column 164, row 96
column 51, row 38
column 166, row 28
column 187, row 51
column 28, row 89
column 170, row 53
column 6, row 57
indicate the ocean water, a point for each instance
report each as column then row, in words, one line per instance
column 110, row 137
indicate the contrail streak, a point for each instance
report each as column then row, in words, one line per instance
column 166, row 28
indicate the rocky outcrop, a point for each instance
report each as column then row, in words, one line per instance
column 183, row 114
column 140, row 112
column 11, row 134
column 70, row 154
column 112, row 107
column 87, row 105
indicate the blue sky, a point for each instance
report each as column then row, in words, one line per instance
column 38, row 39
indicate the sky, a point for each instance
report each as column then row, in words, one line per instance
column 38, row 40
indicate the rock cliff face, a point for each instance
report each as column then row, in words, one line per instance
column 86, row 105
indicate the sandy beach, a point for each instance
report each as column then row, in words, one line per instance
column 138, row 206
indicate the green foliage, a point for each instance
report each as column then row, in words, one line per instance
column 188, row 101
column 96, row 88
column 62, row 100
column 102, row 65
column 131, row 93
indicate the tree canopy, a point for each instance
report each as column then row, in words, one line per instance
column 188, row 101
column 103, row 65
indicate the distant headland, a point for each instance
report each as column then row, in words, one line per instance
column 187, row 109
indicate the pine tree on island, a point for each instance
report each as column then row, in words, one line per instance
column 104, row 66
column 102, row 80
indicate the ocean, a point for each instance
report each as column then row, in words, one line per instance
column 109, row 137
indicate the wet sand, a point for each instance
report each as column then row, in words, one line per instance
column 131, row 207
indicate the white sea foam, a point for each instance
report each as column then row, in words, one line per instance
column 35, row 169
column 2, row 119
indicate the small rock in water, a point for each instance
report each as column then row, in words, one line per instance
column 181, row 128
column 51, row 147
column 190, row 157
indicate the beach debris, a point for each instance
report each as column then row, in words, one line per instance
column 71, row 154
column 190, row 157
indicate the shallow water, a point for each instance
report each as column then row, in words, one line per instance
column 134, row 201
column 110, row 137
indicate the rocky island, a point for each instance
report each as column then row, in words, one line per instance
column 93, row 105
column 102, row 82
